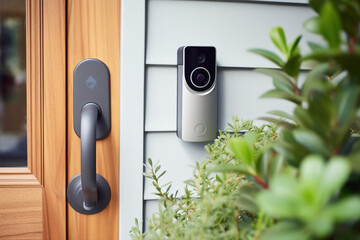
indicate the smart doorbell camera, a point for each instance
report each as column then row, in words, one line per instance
column 196, row 94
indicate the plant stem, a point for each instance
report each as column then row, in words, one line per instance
column 261, row 182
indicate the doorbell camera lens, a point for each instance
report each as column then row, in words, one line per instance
column 200, row 77
column 201, row 58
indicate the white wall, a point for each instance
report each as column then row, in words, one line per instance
column 232, row 27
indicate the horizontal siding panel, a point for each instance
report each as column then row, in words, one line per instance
column 160, row 99
column 232, row 27
column 239, row 91
column 178, row 158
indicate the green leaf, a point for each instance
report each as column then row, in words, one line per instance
column 293, row 48
column 311, row 170
column 242, row 150
column 285, row 230
column 292, row 66
column 281, row 86
column 279, row 122
column 317, row 4
column 283, row 115
column 330, row 25
column 345, row 103
column 321, row 110
column 277, row 93
column 314, row 46
column 269, row 55
column 230, row 168
column 311, row 141
column 334, row 177
column 250, row 138
column 347, row 209
column 161, row 174
column 278, row 75
column 321, row 225
column 313, row 25
column 278, row 37
column 304, row 117
column 282, row 198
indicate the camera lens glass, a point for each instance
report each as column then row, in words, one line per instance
column 201, row 58
column 200, row 77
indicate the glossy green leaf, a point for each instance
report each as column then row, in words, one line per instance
column 292, row 66
column 269, row 55
column 276, row 93
column 347, row 209
column 334, row 177
column 313, row 25
column 317, row 4
column 281, row 86
column 311, row 141
column 242, row 150
column 304, row 117
column 346, row 103
column 278, row 75
column 285, row 230
column 283, row 114
column 276, row 205
column 279, row 122
column 277, row 35
column 321, row 110
column 293, row 48
column 314, row 46
column 321, row 225
column 311, row 170
column 231, row 168
column 330, row 25
column 250, row 138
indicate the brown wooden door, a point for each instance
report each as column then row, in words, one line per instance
column 33, row 204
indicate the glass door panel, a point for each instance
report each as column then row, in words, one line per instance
column 13, row 140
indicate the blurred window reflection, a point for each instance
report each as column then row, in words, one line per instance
column 13, row 150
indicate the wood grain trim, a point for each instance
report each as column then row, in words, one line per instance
column 34, row 88
column 20, row 213
column 31, row 175
column 54, row 152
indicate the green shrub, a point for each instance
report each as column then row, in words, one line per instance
column 297, row 179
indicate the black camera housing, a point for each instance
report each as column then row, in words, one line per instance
column 198, row 60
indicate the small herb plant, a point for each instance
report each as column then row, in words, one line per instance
column 297, row 179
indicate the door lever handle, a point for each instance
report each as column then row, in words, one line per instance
column 89, row 192
column 90, row 113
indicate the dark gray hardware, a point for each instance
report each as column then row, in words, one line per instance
column 89, row 192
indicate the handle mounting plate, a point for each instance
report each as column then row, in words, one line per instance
column 92, row 84
column 75, row 195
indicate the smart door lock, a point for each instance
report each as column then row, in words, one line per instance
column 196, row 94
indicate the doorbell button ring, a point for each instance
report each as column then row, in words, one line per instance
column 200, row 129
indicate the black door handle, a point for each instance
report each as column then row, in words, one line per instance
column 89, row 116
column 89, row 192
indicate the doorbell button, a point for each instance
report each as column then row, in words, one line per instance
column 200, row 129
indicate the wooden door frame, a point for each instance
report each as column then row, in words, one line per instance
column 44, row 178
column 54, row 121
